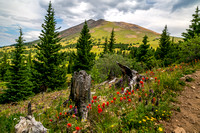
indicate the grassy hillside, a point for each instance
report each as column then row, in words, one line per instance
column 137, row 111
column 124, row 33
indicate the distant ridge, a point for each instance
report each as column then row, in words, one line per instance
column 77, row 29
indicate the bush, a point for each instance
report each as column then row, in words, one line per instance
column 107, row 67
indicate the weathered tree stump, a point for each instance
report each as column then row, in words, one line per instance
column 80, row 92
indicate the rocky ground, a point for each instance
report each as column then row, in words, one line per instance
column 187, row 119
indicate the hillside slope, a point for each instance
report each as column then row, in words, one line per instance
column 100, row 29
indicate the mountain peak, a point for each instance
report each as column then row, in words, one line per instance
column 99, row 29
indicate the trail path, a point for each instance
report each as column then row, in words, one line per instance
column 188, row 119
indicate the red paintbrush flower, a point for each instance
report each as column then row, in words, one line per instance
column 51, row 120
column 132, row 91
column 129, row 100
column 77, row 128
column 114, row 98
column 121, row 98
column 118, row 93
column 99, row 110
column 107, row 103
column 94, row 97
column 69, row 125
column 122, row 89
column 92, row 101
column 90, row 105
column 70, row 106
column 111, row 101
column 158, row 82
column 98, row 106
column 124, row 98
column 103, row 105
column 153, row 100
column 129, row 93
column 141, row 82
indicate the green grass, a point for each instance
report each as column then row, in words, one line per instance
column 119, row 116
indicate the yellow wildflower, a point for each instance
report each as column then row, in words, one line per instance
column 163, row 111
column 144, row 120
column 160, row 129
column 140, row 122
column 156, row 110
column 162, row 114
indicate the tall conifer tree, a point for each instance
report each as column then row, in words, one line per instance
column 105, row 46
column 19, row 87
column 84, row 59
column 50, row 71
column 164, row 44
column 143, row 50
column 112, row 41
column 194, row 28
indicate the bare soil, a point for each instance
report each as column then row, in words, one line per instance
column 188, row 118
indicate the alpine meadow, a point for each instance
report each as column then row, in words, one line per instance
column 99, row 75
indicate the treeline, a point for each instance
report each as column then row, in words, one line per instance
column 47, row 70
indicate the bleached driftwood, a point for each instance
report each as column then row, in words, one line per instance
column 113, row 81
column 133, row 76
column 28, row 124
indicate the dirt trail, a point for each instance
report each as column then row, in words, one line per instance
column 188, row 119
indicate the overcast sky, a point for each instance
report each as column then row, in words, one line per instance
column 151, row 14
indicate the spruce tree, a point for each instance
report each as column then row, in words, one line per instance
column 164, row 44
column 105, row 50
column 19, row 87
column 49, row 69
column 143, row 50
column 84, row 59
column 111, row 42
column 194, row 28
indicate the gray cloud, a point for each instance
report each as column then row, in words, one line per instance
column 152, row 14
column 184, row 3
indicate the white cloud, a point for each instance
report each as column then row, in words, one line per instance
column 32, row 35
